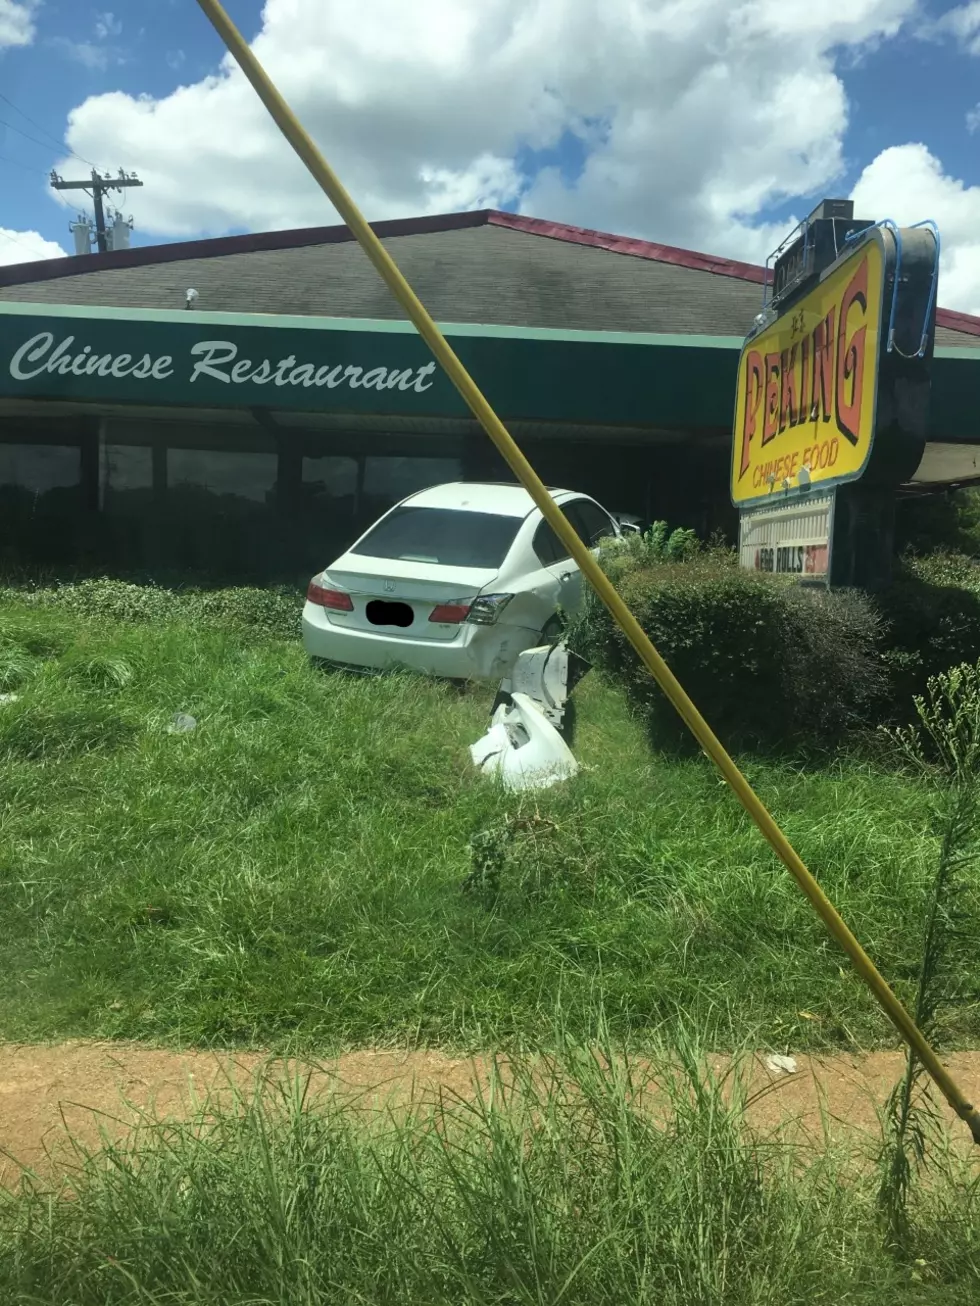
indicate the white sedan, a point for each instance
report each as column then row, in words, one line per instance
column 454, row 581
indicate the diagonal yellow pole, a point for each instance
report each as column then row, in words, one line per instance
column 522, row 469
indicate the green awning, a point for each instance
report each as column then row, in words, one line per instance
column 158, row 357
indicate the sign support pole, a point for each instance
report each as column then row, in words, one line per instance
column 321, row 171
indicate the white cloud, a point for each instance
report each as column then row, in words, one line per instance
column 973, row 119
column 16, row 22
column 696, row 114
column 96, row 54
column 907, row 183
column 961, row 23
column 94, row 57
column 26, row 247
column 696, row 117
column 106, row 25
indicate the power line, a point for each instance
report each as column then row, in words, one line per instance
column 26, row 135
column 62, row 149
column 60, row 145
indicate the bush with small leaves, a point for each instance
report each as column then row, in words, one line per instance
column 769, row 663
column 932, row 622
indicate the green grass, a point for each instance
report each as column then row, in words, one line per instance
column 289, row 874
column 565, row 1186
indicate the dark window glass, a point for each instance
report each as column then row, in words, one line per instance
column 441, row 535
column 40, row 467
column 128, row 471
column 396, row 478
column 331, row 515
column 548, row 546
column 128, row 467
column 333, row 477
column 244, row 475
column 590, row 522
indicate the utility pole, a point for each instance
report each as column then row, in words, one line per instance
column 97, row 187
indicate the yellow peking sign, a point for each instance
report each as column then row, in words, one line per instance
column 807, row 386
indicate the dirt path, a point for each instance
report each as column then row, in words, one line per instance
column 94, row 1087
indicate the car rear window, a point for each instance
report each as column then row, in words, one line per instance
column 441, row 535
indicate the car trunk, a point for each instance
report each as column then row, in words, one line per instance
column 397, row 598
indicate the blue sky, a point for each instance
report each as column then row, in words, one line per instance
column 910, row 89
column 901, row 89
column 159, row 45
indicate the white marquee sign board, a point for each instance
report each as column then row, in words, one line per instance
column 791, row 537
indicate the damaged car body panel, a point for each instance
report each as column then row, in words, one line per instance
column 523, row 746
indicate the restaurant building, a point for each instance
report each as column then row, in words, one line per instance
column 247, row 405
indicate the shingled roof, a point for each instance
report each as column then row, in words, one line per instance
column 484, row 267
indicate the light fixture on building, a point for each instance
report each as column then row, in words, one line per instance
column 191, row 299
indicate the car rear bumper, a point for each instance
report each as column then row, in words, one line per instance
column 477, row 653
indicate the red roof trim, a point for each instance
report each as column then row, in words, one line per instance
column 954, row 321
column 49, row 269
column 684, row 258
column 16, row 274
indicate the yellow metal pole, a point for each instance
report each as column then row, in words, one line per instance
column 522, row 469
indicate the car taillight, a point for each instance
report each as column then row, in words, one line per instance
column 450, row 614
column 485, row 610
column 336, row 600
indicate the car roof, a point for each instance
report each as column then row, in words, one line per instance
column 481, row 496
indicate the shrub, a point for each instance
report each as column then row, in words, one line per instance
column 931, row 615
column 769, row 663
column 658, row 544
column 940, row 521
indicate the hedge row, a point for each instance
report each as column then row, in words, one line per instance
column 772, row 663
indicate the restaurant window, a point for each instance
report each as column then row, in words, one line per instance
column 329, row 521
column 241, row 475
column 394, row 478
column 42, row 507
column 128, row 477
column 40, row 468
column 330, row 478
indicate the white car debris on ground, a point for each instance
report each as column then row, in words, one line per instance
column 454, row 581
column 522, row 748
